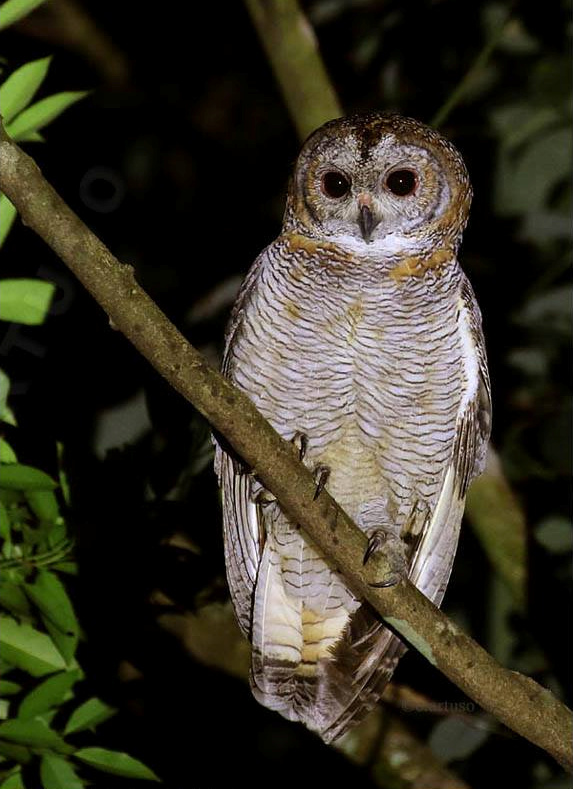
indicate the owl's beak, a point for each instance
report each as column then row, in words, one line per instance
column 366, row 222
column 366, row 219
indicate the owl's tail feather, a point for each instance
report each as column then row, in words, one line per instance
column 293, row 633
column 276, row 636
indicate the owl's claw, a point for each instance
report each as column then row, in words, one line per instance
column 300, row 441
column 393, row 548
column 264, row 497
column 321, row 475
column 375, row 543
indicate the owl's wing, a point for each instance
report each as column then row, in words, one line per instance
column 243, row 531
column 432, row 561
column 242, row 534
column 368, row 652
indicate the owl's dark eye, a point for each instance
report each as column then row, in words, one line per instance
column 402, row 182
column 334, row 184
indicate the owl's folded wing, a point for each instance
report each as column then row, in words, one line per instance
column 242, row 534
column 432, row 561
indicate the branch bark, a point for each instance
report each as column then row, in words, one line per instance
column 292, row 49
column 516, row 700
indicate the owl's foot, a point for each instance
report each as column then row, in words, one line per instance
column 260, row 494
column 321, row 475
column 321, row 472
column 385, row 541
column 300, row 441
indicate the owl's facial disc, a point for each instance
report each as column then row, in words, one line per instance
column 381, row 184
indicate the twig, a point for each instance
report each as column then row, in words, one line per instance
column 482, row 57
column 66, row 23
column 516, row 700
column 292, row 49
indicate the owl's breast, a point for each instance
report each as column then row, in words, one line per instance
column 372, row 380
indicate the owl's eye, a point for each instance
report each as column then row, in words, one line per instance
column 334, row 184
column 402, row 182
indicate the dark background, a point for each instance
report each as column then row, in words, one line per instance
column 180, row 167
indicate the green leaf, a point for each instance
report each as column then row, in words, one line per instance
column 32, row 734
column 13, row 599
column 24, row 647
column 50, row 597
column 4, row 709
column 9, row 688
column 43, row 504
column 43, row 112
column 6, row 414
column 115, row 763
column 455, row 738
column 7, row 216
column 13, row 10
column 58, row 773
column 89, row 715
column 14, row 781
column 71, row 568
column 555, row 534
column 33, row 136
column 19, row 477
column 62, row 476
column 15, row 753
column 25, row 300
column 7, row 454
column 4, row 522
column 20, row 87
column 52, row 692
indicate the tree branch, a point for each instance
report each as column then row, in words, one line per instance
column 292, row 49
column 516, row 700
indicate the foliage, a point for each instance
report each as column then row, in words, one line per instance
column 42, row 682
column 45, row 707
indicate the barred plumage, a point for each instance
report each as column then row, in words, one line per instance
column 357, row 329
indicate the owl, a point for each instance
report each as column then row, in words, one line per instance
column 358, row 336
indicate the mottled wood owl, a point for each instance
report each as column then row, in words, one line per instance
column 356, row 334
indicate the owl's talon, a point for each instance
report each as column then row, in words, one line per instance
column 264, row 497
column 321, row 475
column 300, row 441
column 375, row 543
column 261, row 495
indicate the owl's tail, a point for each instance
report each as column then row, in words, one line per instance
column 292, row 631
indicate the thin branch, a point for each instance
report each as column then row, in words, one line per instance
column 478, row 64
column 67, row 24
column 292, row 50
column 516, row 700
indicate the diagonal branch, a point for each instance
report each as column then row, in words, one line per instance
column 516, row 700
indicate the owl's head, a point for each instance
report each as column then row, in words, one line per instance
column 379, row 183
